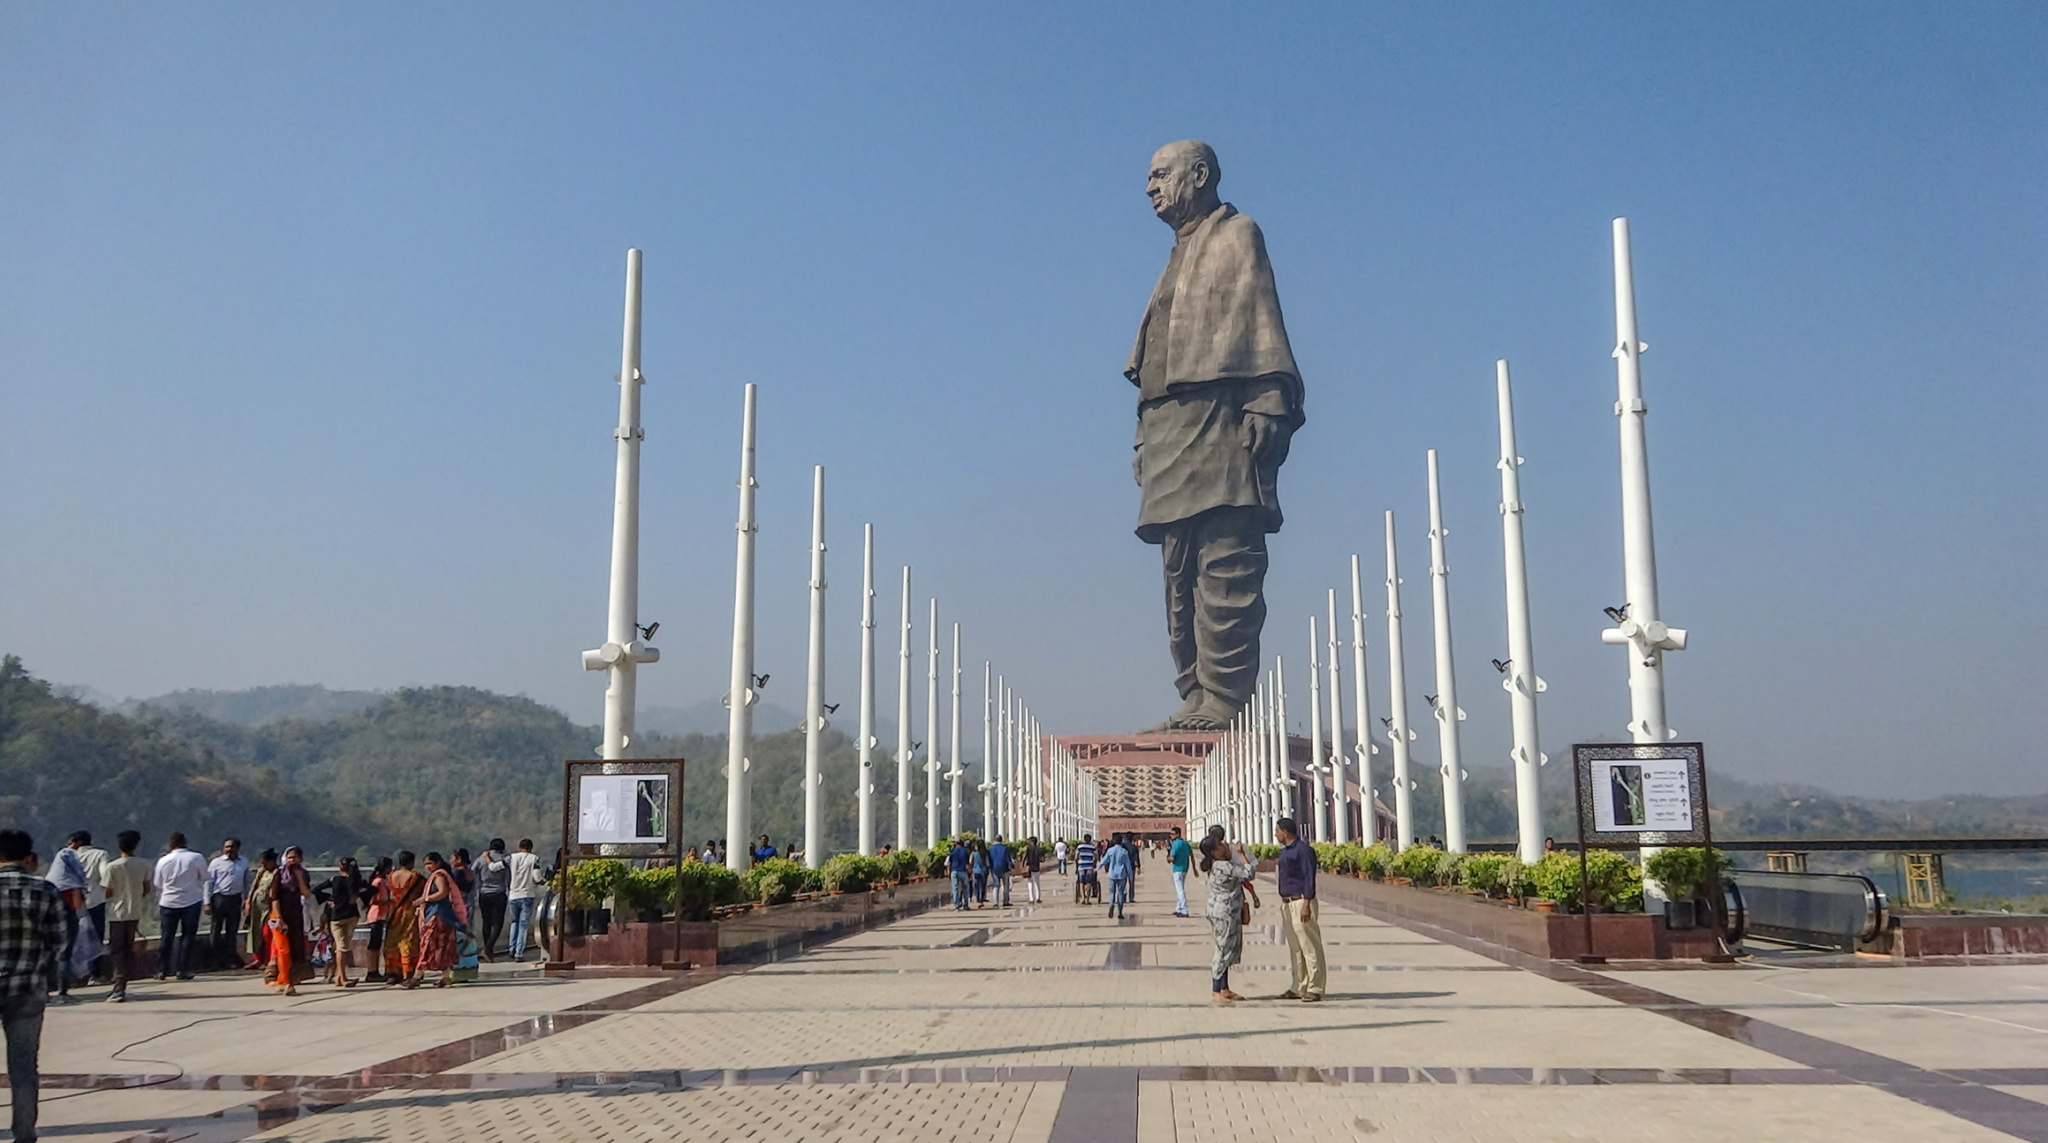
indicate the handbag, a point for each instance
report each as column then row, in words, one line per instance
column 1244, row 912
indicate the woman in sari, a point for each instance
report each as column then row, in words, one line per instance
column 262, row 884
column 278, row 932
column 378, row 912
column 1229, row 881
column 402, row 921
column 443, row 918
column 291, row 896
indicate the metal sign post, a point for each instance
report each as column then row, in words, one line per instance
column 1639, row 797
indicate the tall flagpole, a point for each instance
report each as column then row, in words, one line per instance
column 954, row 770
column 988, row 774
column 1362, row 710
column 740, row 696
column 814, row 686
column 1521, row 682
column 931, row 730
column 903, row 780
column 1316, row 766
column 1448, row 714
column 1398, row 734
column 1342, row 806
column 624, row 648
column 867, row 694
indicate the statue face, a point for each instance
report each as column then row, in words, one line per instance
column 1178, row 182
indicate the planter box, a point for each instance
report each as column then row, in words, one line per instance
column 755, row 934
column 1554, row 936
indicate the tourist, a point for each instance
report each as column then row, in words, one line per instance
column 180, row 881
column 999, row 864
column 1115, row 865
column 277, row 932
column 1296, row 878
column 977, row 864
column 442, row 917
column 126, row 883
column 958, row 864
column 227, row 891
column 292, row 899
column 1228, row 911
column 1131, row 844
column 402, row 921
column 32, row 937
column 1178, row 855
column 95, row 860
column 464, row 872
column 710, row 855
column 1085, row 887
column 493, row 876
column 262, row 886
column 1034, row 861
column 67, row 877
column 525, row 879
column 341, row 900
column 1059, row 856
column 764, row 850
column 377, row 915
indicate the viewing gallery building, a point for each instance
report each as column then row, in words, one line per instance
column 1144, row 779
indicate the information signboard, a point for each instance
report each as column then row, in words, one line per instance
column 623, row 809
column 1642, row 795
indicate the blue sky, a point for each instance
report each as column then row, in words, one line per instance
column 309, row 316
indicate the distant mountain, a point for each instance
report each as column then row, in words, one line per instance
column 260, row 705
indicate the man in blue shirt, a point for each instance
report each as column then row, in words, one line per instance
column 1297, row 878
column 1178, row 854
column 956, row 864
column 999, row 866
column 1116, row 866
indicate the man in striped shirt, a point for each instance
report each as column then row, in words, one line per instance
column 1085, row 885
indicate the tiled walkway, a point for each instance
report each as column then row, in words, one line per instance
column 1057, row 1024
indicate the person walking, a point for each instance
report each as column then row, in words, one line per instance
column 977, row 864
column 277, row 932
column 523, row 882
column 67, row 877
column 1059, row 856
column 402, row 922
column 1297, row 884
column 443, row 916
column 1230, row 875
column 341, row 901
column 180, row 880
column 1137, row 860
column 262, row 885
column 1034, row 861
column 32, row 937
column 227, row 894
column 493, row 878
column 1115, row 867
column 376, row 914
column 292, row 899
column 1085, row 888
column 1178, row 855
column 95, row 860
column 958, row 864
column 125, row 880
column 999, row 865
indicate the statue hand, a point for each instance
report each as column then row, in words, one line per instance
column 1259, row 433
column 1138, row 467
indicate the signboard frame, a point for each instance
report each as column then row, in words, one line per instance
column 1693, row 757
column 574, row 849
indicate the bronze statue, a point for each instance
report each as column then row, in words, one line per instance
column 1219, row 399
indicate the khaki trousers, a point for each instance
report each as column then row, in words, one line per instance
column 1304, row 948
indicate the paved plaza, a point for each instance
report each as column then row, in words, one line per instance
column 1057, row 1024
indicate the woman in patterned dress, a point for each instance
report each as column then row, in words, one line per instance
column 442, row 918
column 1230, row 878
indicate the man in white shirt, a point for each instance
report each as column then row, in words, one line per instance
column 180, row 881
column 126, row 883
column 519, row 894
column 1059, row 855
column 227, row 888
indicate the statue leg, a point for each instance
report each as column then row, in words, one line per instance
column 1179, row 553
column 1230, row 608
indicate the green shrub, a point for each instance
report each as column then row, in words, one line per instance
column 851, row 873
column 593, row 882
column 935, row 861
column 1450, row 868
column 1417, row 863
column 1260, row 851
column 773, row 882
column 907, row 863
column 700, row 888
column 1616, row 881
column 648, row 888
column 1374, row 860
column 1483, row 871
column 1687, row 871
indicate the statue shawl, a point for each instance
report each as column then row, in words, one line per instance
column 1225, row 322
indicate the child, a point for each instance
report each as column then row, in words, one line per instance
column 280, row 951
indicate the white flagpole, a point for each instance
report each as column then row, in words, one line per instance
column 931, row 730
column 1342, row 805
column 1362, row 709
column 954, row 770
column 1521, row 682
column 1399, row 736
column 903, row 779
column 740, row 696
column 867, row 695
column 814, row 686
column 1448, row 715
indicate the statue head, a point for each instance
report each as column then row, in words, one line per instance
column 1182, row 181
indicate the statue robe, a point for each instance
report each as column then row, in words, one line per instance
column 1212, row 348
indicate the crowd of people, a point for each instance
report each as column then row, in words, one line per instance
column 74, row 921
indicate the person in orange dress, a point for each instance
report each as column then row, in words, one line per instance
column 402, row 923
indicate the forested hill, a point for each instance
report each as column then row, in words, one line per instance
column 422, row 768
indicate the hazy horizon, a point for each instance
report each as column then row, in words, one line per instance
column 309, row 323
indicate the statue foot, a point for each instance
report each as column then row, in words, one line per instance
column 1214, row 714
column 1177, row 720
